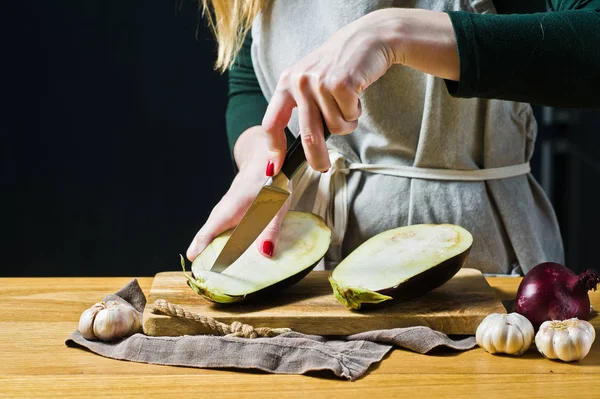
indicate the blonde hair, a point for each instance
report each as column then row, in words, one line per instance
column 230, row 21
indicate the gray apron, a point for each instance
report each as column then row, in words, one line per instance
column 418, row 155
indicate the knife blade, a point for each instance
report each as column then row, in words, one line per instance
column 269, row 200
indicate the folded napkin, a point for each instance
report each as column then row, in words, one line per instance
column 290, row 353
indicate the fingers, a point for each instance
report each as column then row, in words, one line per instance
column 346, row 96
column 267, row 241
column 313, row 139
column 320, row 96
column 276, row 118
column 332, row 115
column 217, row 222
column 199, row 243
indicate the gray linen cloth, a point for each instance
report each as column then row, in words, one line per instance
column 291, row 353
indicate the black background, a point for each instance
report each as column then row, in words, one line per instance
column 113, row 142
column 114, row 148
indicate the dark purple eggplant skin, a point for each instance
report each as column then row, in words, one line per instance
column 271, row 290
column 421, row 284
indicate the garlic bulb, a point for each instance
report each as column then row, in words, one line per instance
column 109, row 321
column 568, row 340
column 86, row 321
column 505, row 333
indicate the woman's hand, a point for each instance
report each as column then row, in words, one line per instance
column 329, row 80
column 250, row 153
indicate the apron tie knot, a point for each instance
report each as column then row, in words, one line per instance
column 331, row 200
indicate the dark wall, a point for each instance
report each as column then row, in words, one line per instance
column 576, row 189
column 567, row 165
column 113, row 143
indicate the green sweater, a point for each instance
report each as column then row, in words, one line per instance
column 521, row 54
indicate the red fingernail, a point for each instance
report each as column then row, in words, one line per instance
column 267, row 248
column 270, row 169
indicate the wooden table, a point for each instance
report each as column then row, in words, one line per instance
column 38, row 314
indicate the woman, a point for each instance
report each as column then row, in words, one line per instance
column 434, row 97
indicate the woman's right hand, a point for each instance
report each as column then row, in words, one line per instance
column 250, row 153
column 326, row 84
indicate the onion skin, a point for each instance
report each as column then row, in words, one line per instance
column 551, row 291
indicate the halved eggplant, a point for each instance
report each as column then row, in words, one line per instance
column 400, row 264
column 303, row 241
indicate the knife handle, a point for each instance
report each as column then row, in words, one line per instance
column 295, row 156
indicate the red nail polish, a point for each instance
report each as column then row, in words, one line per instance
column 270, row 169
column 267, row 248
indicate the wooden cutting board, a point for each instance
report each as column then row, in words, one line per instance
column 309, row 307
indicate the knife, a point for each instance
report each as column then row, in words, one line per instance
column 265, row 206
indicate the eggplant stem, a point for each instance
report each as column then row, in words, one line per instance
column 353, row 298
column 200, row 289
column 191, row 281
column 190, row 278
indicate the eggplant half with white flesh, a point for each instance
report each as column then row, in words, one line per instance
column 303, row 241
column 400, row 264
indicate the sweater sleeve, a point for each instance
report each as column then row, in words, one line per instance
column 547, row 58
column 247, row 104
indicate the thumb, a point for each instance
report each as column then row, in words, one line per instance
column 267, row 241
column 213, row 227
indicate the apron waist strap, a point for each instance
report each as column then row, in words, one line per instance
column 414, row 172
column 331, row 200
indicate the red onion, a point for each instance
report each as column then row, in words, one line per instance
column 550, row 291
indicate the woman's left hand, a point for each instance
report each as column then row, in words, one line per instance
column 326, row 84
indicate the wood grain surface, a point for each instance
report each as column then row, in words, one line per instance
column 38, row 314
column 309, row 307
